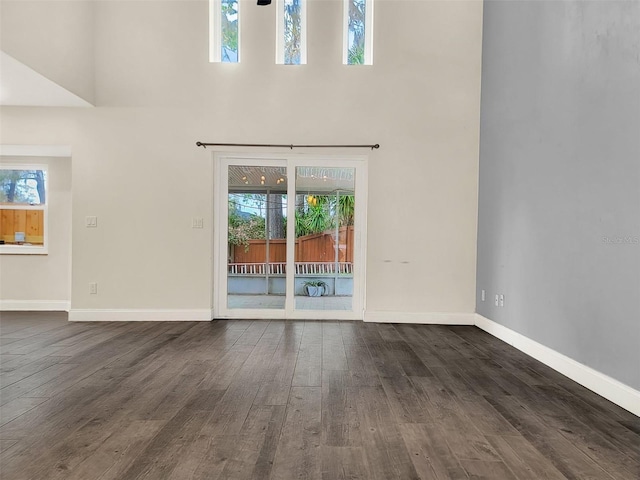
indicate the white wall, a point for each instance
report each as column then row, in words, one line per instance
column 53, row 37
column 42, row 281
column 136, row 167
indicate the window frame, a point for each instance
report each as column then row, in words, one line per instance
column 368, row 33
column 44, row 207
column 215, row 32
column 280, row 33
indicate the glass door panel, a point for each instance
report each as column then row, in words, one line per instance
column 256, row 237
column 324, row 238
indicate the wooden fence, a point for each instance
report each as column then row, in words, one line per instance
column 319, row 247
column 31, row 222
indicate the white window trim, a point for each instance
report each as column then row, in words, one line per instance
column 280, row 33
column 222, row 160
column 29, row 249
column 368, row 33
column 215, row 32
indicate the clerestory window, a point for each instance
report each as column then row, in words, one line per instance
column 358, row 32
column 291, row 32
column 224, row 31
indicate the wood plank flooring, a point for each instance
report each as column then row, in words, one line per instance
column 293, row 400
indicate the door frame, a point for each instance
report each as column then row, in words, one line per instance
column 222, row 160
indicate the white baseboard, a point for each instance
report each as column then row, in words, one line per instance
column 438, row 318
column 610, row 388
column 123, row 315
column 34, row 305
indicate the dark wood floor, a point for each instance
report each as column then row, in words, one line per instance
column 292, row 400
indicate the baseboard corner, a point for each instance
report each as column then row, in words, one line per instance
column 598, row 382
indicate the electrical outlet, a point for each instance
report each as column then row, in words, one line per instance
column 497, row 301
column 197, row 222
column 91, row 222
column 93, row 288
column 501, row 301
column 482, row 296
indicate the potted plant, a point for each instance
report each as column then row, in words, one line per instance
column 315, row 288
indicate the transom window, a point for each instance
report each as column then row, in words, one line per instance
column 291, row 32
column 224, row 31
column 23, row 208
column 358, row 32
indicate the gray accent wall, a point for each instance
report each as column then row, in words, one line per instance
column 559, row 198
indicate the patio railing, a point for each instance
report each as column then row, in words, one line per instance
column 302, row 268
column 324, row 268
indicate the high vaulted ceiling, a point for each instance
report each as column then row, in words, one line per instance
column 22, row 86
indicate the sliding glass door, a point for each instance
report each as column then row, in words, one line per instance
column 289, row 239
column 325, row 223
column 256, row 237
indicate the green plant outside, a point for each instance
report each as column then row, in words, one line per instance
column 356, row 55
column 309, row 220
column 241, row 230
column 319, row 217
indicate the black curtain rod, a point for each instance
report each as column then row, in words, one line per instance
column 291, row 146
